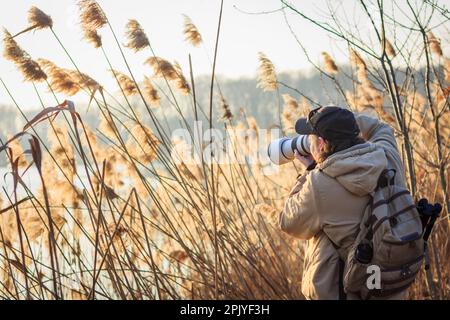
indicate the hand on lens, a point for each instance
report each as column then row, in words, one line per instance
column 305, row 161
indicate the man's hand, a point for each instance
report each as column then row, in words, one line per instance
column 305, row 161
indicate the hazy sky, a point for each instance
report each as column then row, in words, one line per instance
column 243, row 35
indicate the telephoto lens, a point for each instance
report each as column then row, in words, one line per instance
column 281, row 151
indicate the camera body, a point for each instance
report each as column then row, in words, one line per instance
column 281, row 151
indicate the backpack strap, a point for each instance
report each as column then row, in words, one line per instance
column 428, row 214
column 342, row 294
column 341, row 265
column 386, row 178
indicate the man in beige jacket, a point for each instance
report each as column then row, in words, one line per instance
column 325, row 207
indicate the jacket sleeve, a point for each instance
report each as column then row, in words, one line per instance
column 382, row 134
column 300, row 215
column 375, row 131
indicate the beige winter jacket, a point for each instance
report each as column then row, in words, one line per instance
column 328, row 203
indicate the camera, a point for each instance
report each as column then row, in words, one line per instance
column 281, row 151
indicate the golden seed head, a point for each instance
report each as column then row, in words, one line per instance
column 83, row 80
column 192, row 35
column 289, row 102
column 181, row 82
column 31, row 70
column 356, row 60
column 390, row 51
column 267, row 77
column 91, row 15
column 126, row 83
column 162, row 68
column 330, row 65
column 18, row 152
column 142, row 143
column 93, row 37
column 11, row 50
column 107, row 126
column 151, row 93
column 38, row 19
column 61, row 80
column 227, row 115
column 137, row 39
column 435, row 44
column 447, row 69
column 92, row 18
column 252, row 124
column 67, row 81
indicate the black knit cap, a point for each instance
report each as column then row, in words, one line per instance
column 331, row 123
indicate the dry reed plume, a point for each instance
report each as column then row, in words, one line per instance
column 227, row 115
column 142, row 143
column 390, row 51
column 29, row 68
column 267, row 77
column 447, row 69
column 367, row 96
column 91, row 15
column 164, row 69
column 93, row 38
column 106, row 126
column 18, row 153
column 191, row 33
column 66, row 81
column 38, row 19
column 151, row 93
column 137, row 39
column 435, row 44
column 181, row 82
column 11, row 49
column 292, row 111
column 92, row 18
column 126, row 83
column 356, row 60
column 329, row 64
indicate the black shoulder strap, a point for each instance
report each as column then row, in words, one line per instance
column 342, row 294
column 387, row 177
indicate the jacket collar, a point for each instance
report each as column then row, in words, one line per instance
column 354, row 151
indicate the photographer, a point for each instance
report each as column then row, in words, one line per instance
column 326, row 205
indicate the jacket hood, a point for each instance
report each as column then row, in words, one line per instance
column 357, row 168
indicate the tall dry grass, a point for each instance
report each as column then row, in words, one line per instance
column 119, row 214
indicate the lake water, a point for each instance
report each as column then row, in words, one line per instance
column 30, row 178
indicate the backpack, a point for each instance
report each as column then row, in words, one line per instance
column 389, row 242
